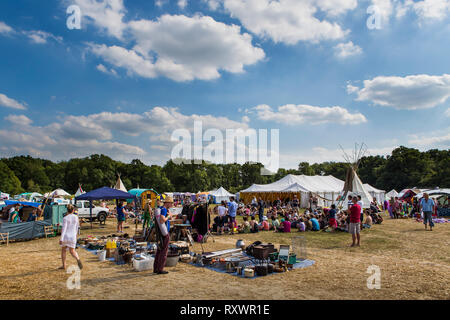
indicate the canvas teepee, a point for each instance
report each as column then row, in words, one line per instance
column 353, row 185
column 79, row 191
column 119, row 185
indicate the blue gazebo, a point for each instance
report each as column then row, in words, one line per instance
column 104, row 193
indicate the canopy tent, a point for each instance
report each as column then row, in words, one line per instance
column 353, row 186
column 104, row 193
column 326, row 188
column 391, row 194
column 434, row 192
column 23, row 203
column 4, row 196
column 59, row 193
column 220, row 195
column 378, row 194
column 119, row 185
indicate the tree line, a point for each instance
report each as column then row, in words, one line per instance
column 405, row 167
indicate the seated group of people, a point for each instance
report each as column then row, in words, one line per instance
column 288, row 219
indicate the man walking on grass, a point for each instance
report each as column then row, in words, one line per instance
column 355, row 220
column 427, row 206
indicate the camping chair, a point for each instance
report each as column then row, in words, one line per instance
column 49, row 231
column 4, row 237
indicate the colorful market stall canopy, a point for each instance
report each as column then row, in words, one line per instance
column 435, row 192
column 105, row 193
column 23, row 203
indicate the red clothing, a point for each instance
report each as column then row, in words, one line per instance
column 355, row 213
column 286, row 226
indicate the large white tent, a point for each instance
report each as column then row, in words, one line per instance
column 221, row 194
column 375, row 193
column 391, row 194
column 327, row 188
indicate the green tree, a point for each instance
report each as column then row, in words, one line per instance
column 9, row 183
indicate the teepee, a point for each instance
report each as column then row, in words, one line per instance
column 79, row 191
column 353, row 185
column 119, row 185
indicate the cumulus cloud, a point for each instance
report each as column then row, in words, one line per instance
column 407, row 93
column 298, row 114
column 19, row 120
column 290, row 21
column 345, row 50
column 4, row 28
column 11, row 103
column 182, row 4
column 108, row 15
column 75, row 136
column 41, row 37
column 425, row 9
column 104, row 69
column 183, row 49
column 431, row 139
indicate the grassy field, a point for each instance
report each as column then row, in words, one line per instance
column 414, row 263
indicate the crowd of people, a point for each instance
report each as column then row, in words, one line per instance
column 285, row 216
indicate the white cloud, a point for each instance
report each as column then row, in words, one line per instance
column 75, row 136
column 384, row 10
column 213, row 4
column 425, row 9
column 105, row 14
column 345, row 50
column 4, row 28
column 103, row 69
column 19, row 120
column 182, row 4
column 183, row 49
column 432, row 139
column 160, row 3
column 298, row 114
column 352, row 89
column 290, row 21
column 410, row 92
column 11, row 103
column 41, row 37
column 447, row 113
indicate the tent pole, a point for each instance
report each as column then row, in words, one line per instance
column 90, row 210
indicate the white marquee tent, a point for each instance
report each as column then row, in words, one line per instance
column 221, row 194
column 327, row 188
column 391, row 194
column 374, row 192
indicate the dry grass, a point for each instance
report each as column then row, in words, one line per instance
column 415, row 265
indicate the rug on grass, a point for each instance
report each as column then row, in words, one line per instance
column 299, row 265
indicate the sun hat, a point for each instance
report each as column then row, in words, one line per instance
column 168, row 199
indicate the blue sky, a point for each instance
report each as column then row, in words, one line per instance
column 137, row 70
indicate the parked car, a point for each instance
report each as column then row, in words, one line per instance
column 98, row 213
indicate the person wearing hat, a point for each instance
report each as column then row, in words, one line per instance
column 162, row 217
column 147, row 215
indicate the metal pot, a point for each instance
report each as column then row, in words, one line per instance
column 240, row 244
